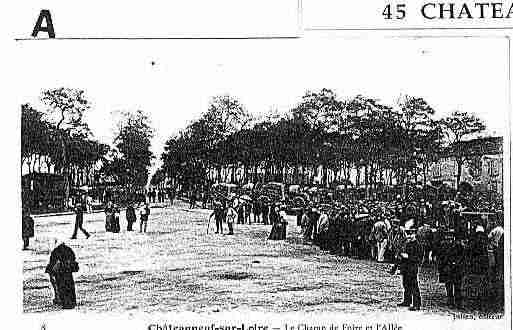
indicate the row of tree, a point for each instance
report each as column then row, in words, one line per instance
column 57, row 140
column 322, row 137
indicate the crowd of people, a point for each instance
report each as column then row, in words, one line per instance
column 233, row 210
column 461, row 237
column 451, row 235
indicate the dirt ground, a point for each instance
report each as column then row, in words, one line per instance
column 176, row 266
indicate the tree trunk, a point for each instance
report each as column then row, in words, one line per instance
column 459, row 164
column 65, row 171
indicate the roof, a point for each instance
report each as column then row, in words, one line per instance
column 476, row 147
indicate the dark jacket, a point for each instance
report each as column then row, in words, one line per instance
column 410, row 265
column 478, row 253
column 451, row 261
column 130, row 214
column 79, row 211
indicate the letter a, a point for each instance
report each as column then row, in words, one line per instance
column 510, row 11
column 44, row 14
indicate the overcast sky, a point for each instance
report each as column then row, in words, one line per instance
column 469, row 74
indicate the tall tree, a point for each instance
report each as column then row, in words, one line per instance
column 133, row 142
column 34, row 133
column 458, row 125
column 420, row 138
column 65, row 110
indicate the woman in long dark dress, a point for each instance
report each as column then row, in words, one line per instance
column 61, row 267
column 109, row 216
column 278, row 230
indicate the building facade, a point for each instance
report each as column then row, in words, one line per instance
column 482, row 168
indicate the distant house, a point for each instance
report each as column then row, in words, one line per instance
column 482, row 168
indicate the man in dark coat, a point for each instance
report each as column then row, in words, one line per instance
column 131, row 218
column 27, row 228
column 257, row 210
column 411, row 257
column 171, row 195
column 61, row 267
column 240, row 212
column 451, row 263
column 218, row 214
column 478, row 252
column 79, row 220
column 311, row 227
column 264, row 210
column 144, row 215
column 361, row 229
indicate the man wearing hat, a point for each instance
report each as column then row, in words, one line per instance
column 218, row 215
column 311, row 231
column 410, row 259
column 79, row 219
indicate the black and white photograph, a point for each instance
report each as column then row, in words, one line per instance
column 312, row 175
column 258, row 166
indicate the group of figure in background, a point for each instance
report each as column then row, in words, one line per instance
column 85, row 200
column 410, row 234
column 237, row 211
column 112, row 217
column 224, row 212
column 406, row 233
column 196, row 196
column 158, row 195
